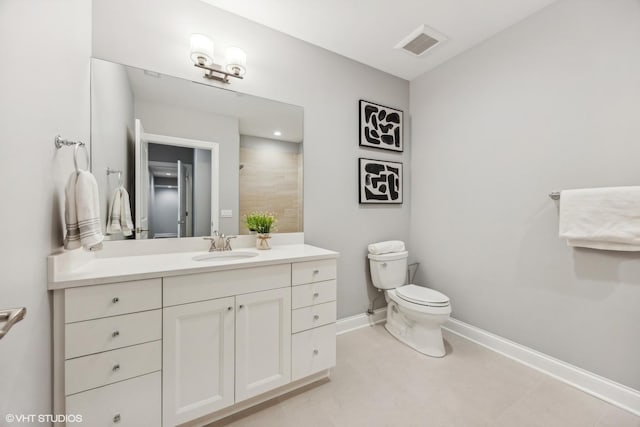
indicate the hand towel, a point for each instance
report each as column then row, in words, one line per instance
column 88, row 211
column 386, row 247
column 601, row 218
column 72, row 238
column 119, row 220
column 126, row 224
column 113, row 221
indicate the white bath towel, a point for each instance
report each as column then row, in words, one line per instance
column 386, row 247
column 88, row 211
column 72, row 238
column 601, row 218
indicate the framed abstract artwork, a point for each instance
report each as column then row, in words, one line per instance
column 380, row 181
column 380, row 126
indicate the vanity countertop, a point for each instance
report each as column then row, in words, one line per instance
column 96, row 271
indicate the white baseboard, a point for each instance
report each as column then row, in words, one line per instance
column 358, row 321
column 602, row 388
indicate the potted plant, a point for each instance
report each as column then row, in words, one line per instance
column 261, row 223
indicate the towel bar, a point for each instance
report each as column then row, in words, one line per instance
column 11, row 317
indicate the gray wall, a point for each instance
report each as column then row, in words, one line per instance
column 194, row 124
column 550, row 104
column 327, row 85
column 35, row 106
column 165, row 210
column 112, row 122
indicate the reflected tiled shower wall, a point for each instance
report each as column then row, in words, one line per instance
column 271, row 181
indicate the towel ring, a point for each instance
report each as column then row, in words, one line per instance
column 75, row 155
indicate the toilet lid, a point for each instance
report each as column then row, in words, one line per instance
column 423, row 296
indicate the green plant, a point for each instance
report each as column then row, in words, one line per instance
column 260, row 222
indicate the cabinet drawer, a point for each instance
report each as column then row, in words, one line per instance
column 84, row 373
column 313, row 271
column 130, row 403
column 94, row 336
column 219, row 284
column 313, row 293
column 312, row 317
column 312, row 351
column 93, row 302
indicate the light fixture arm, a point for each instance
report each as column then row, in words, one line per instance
column 221, row 76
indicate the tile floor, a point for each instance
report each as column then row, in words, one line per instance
column 380, row 382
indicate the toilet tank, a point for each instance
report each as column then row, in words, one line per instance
column 388, row 271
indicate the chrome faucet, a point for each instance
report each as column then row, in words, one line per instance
column 220, row 242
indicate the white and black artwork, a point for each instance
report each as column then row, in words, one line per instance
column 380, row 181
column 380, row 126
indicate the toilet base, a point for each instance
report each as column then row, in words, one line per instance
column 424, row 335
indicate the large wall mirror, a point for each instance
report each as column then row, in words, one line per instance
column 193, row 158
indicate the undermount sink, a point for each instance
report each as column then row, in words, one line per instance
column 225, row 256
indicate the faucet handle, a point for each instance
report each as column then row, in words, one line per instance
column 227, row 245
column 213, row 242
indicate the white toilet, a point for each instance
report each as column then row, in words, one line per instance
column 415, row 314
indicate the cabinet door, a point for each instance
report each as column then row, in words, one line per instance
column 198, row 359
column 263, row 341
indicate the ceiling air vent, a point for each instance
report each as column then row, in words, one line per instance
column 421, row 40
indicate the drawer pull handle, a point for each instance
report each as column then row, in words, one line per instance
column 115, row 300
column 115, row 334
column 316, row 294
column 316, row 317
column 116, row 418
column 116, row 367
column 316, row 271
column 316, row 351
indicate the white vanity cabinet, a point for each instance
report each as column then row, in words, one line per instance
column 193, row 348
column 108, row 340
column 313, row 317
column 226, row 349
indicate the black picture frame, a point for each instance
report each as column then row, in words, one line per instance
column 381, row 127
column 380, row 181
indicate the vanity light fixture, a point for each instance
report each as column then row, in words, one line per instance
column 202, row 57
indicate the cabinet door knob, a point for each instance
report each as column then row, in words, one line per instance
column 115, row 300
column 116, row 418
column 316, row 294
column 116, row 367
column 229, row 308
column 115, row 333
column 241, row 306
column 316, row 351
column 316, row 317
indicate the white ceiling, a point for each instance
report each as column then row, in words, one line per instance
column 256, row 116
column 368, row 30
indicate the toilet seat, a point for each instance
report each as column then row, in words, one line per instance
column 422, row 296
